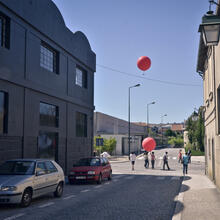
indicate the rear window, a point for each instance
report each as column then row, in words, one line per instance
column 17, row 168
column 88, row 162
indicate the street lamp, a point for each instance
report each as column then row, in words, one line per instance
column 129, row 116
column 162, row 128
column 152, row 103
column 210, row 29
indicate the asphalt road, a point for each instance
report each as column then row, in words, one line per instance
column 139, row 194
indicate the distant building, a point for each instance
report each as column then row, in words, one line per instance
column 108, row 126
column 46, row 84
column 177, row 127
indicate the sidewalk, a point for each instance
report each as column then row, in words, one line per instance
column 198, row 199
column 118, row 159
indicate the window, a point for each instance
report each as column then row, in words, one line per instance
column 3, row 112
column 49, row 115
column 49, row 58
column 81, row 124
column 41, row 168
column 48, row 145
column 4, row 31
column 50, row 167
column 81, row 77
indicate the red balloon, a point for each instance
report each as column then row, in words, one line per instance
column 144, row 63
column 149, row 144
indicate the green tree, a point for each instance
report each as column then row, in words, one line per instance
column 200, row 131
column 109, row 145
column 196, row 130
column 176, row 141
column 170, row 133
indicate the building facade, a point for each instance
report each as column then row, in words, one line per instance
column 208, row 66
column 46, row 84
column 111, row 127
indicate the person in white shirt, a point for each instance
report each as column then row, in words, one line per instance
column 132, row 159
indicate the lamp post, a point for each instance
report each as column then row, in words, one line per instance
column 152, row 103
column 162, row 128
column 129, row 116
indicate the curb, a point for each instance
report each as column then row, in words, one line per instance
column 179, row 202
column 118, row 161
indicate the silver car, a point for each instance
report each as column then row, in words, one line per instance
column 24, row 179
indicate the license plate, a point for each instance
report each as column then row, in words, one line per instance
column 80, row 177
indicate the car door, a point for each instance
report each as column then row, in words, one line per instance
column 103, row 162
column 52, row 176
column 40, row 183
column 108, row 167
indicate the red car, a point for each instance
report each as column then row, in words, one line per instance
column 91, row 169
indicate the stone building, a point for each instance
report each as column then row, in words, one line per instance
column 46, row 84
column 208, row 66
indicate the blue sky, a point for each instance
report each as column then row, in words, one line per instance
column 120, row 31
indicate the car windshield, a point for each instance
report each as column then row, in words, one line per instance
column 17, row 168
column 88, row 162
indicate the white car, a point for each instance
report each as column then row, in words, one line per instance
column 24, row 179
column 105, row 154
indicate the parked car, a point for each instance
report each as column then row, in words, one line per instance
column 24, row 179
column 90, row 169
column 105, row 154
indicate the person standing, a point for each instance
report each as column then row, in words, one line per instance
column 185, row 163
column 146, row 164
column 180, row 156
column 152, row 159
column 132, row 159
column 165, row 161
column 189, row 154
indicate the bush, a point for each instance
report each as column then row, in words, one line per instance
column 176, row 141
column 194, row 151
column 109, row 145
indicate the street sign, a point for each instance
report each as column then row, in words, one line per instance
column 99, row 141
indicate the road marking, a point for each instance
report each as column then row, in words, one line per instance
column 160, row 178
column 160, row 158
column 107, row 183
column 160, row 163
column 46, row 205
column 98, row 186
column 69, row 197
column 115, row 180
column 85, row 190
column 174, row 158
column 14, row 216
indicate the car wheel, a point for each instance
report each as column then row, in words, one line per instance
column 26, row 198
column 100, row 179
column 110, row 175
column 59, row 190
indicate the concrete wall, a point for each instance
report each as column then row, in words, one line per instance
column 106, row 124
column 135, row 143
column 28, row 84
